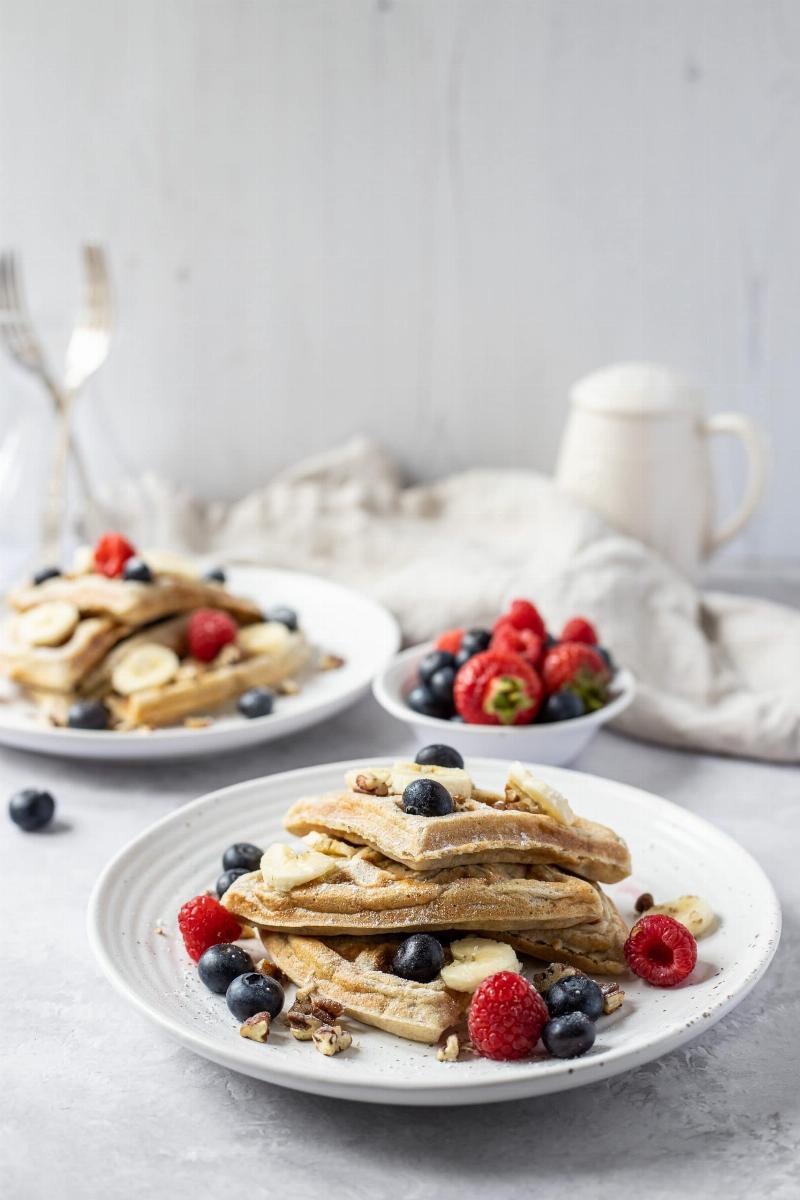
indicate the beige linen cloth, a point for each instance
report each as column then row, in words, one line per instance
column 715, row 672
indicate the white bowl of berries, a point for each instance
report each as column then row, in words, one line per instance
column 512, row 690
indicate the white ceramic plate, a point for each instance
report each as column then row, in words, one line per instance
column 557, row 744
column 334, row 618
column 673, row 852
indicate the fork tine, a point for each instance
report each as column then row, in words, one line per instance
column 99, row 288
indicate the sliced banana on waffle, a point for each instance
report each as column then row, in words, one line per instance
column 692, row 911
column 147, row 666
column 167, row 562
column 393, row 781
column 49, row 624
column 284, row 868
column 475, row 959
column 265, row 637
column 542, row 796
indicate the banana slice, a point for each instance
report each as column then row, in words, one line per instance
column 542, row 796
column 454, row 779
column 148, row 666
column 329, row 845
column 167, row 562
column 692, row 911
column 266, row 637
column 475, row 959
column 49, row 624
column 284, row 868
column 83, row 561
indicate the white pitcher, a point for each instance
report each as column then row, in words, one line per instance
column 635, row 449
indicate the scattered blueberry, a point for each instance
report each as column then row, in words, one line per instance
column 45, row 573
column 421, row 700
column 562, row 706
column 226, row 879
column 244, row 855
column 433, row 662
column 419, row 957
column 475, row 641
column 577, row 993
column 427, row 798
column 215, row 575
column 88, row 714
column 438, row 755
column 256, row 702
column 220, row 965
column 136, row 570
column 569, row 1036
column 282, row 614
column 607, row 658
column 440, row 685
column 31, row 809
column 253, row 993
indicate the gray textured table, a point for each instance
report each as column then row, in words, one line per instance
column 97, row 1102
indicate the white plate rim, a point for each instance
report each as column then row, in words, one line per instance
column 513, row 1080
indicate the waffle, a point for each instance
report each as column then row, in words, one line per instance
column 171, row 632
column 370, row 894
column 352, row 972
column 57, row 668
column 595, row 947
column 477, row 832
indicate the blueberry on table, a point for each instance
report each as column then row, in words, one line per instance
column 226, row 879
column 88, row 714
column 253, row 993
column 475, row 641
column 45, row 573
column 256, row 702
column 440, row 685
column 427, row 798
column 420, row 957
column 562, row 706
column 283, row 615
column 437, row 755
column 435, row 661
column 421, row 700
column 569, row 1036
column 577, row 993
column 244, row 855
column 136, row 570
column 215, row 575
column 221, row 964
column 31, row 809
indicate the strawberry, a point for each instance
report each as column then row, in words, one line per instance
column 204, row 922
column 506, row 1017
column 661, row 951
column 524, row 615
column 578, row 629
column 111, row 553
column 497, row 689
column 507, row 639
column 574, row 667
column 209, row 630
column 450, row 641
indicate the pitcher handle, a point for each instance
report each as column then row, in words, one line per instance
column 750, row 436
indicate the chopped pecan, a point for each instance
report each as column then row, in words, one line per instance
column 309, row 1011
column 449, row 1047
column 367, row 782
column 644, row 902
column 265, row 967
column 543, row 980
column 198, row 722
column 256, row 1027
column 613, row 996
column 331, row 1039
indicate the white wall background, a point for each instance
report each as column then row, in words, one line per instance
column 418, row 218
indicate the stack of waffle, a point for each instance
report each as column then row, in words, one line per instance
column 83, row 636
column 516, row 870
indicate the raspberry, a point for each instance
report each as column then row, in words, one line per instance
column 506, row 1017
column 524, row 615
column 450, row 641
column 209, row 630
column 661, row 951
column 578, row 629
column 507, row 639
column 204, row 922
column 111, row 553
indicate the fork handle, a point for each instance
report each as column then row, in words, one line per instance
column 55, row 502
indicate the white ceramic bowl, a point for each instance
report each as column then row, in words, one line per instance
column 556, row 744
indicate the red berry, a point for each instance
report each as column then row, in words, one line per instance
column 580, row 669
column 111, row 553
column 524, row 615
column 209, row 630
column 661, row 951
column 204, row 922
column 578, row 629
column 497, row 689
column 450, row 641
column 507, row 639
column 506, row 1017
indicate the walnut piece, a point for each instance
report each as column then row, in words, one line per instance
column 448, row 1048
column 256, row 1027
column 331, row 1039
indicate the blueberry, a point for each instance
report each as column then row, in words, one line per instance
column 256, row 702
column 463, row 656
column 419, row 957
column 31, row 809
column 607, row 658
column 136, row 570
column 562, row 706
column 550, row 641
column 220, row 965
column 577, row 993
column 45, row 573
column 215, row 575
column 253, row 993
column 244, row 855
column 433, row 662
column 475, row 640
column 427, row 798
column 226, row 879
column 421, row 700
column 88, row 714
column 438, row 755
column 440, row 685
column 569, row 1036
column 283, row 615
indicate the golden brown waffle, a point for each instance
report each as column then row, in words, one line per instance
column 595, row 947
column 477, row 832
column 350, row 971
column 370, row 894
column 57, row 668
